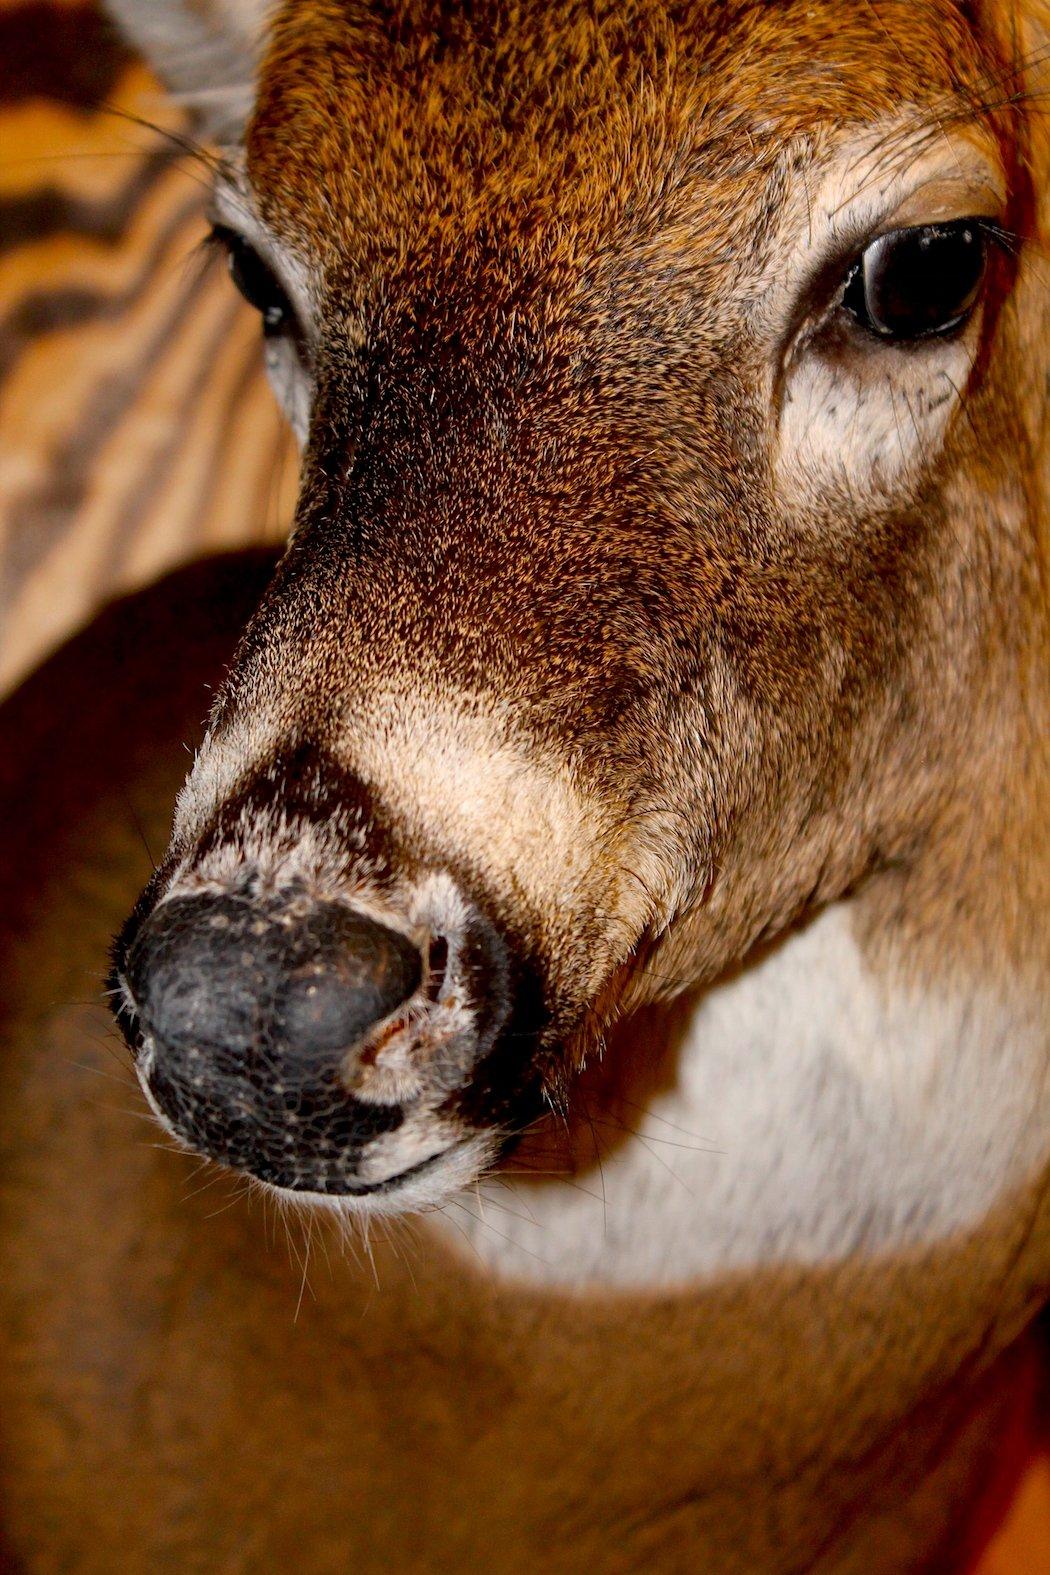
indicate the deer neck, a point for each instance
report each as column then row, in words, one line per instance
column 834, row 1099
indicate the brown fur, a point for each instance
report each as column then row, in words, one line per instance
column 537, row 252
column 180, row 1389
column 539, row 247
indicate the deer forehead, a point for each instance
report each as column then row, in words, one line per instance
column 619, row 198
column 380, row 136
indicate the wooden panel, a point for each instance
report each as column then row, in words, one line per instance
column 137, row 425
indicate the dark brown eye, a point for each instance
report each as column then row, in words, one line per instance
column 256, row 281
column 918, row 282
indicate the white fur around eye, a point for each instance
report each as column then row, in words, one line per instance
column 856, row 415
column 869, row 419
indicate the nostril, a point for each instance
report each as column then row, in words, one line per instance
column 322, row 1009
column 437, row 965
column 353, row 973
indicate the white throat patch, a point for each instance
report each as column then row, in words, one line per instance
column 817, row 1114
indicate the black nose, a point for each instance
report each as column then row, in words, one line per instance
column 298, row 983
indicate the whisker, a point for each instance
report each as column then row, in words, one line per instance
column 457, row 1204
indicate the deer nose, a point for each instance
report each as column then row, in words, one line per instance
column 282, row 991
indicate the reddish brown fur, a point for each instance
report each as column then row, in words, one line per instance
column 542, row 474
column 533, row 244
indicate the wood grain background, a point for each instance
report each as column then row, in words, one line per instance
column 136, row 425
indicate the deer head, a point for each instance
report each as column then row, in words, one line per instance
column 667, row 558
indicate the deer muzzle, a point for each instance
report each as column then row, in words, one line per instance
column 295, row 1036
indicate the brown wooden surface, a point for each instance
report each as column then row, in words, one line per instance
column 136, row 428
column 136, row 425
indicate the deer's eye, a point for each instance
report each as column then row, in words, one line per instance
column 256, row 281
column 915, row 283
